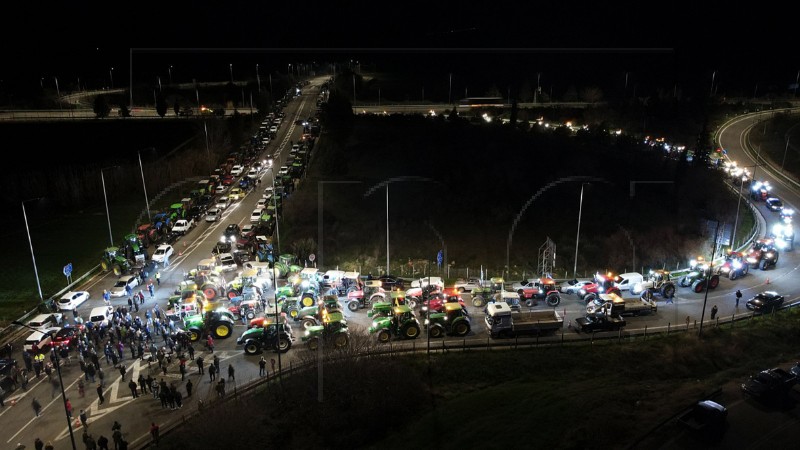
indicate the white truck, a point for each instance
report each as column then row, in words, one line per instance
column 182, row 226
column 502, row 322
column 629, row 306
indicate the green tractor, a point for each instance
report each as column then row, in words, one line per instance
column 403, row 323
column 315, row 314
column 290, row 306
column 700, row 272
column 332, row 330
column 483, row 295
column 133, row 249
column 380, row 309
column 176, row 212
column 113, row 259
column 218, row 325
column 453, row 320
column 277, row 336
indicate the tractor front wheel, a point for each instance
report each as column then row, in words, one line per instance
column 307, row 300
column 308, row 323
column 411, row 331
column 293, row 313
column 117, row 270
column 252, row 348
column 461, row 328
column 194, row 334
column 668, row 291
column 477, row 301
column 384, row 336
column 341, row 340
column 436, row 332
column 104, row 265
column 313, row 343
column 353, row 305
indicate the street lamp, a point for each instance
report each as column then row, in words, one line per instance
column 788, row 138
column 30, row 243
column 105, row 197
column 258, row 79
column 578, row 238
column 111, row 75
column 170, row 75
column 231, row 68
column 144, row 186
column 275, row 205
column 60, row 382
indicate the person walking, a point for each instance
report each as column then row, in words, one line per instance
column 230, row 373
column 212, row 372
column 200, row 365
column 68, row 407
column 714, row 312
column 100, row 394
column 189, row 386
column 133, row 387
column 151, row 289
column 102, row 443
column 190, row 349
column 209, row 343
column 738, row 297
column 37, row 407
column 158, row 278
column 81, row 388
column 38, row 444
column 262, row 367
column 216, row 364
column 154, row 432
column 122, row 371
column 84, row 419
column 182, row 367
column 272, row 363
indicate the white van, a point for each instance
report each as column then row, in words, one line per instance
column 45, row 320
column 425, row 281
column 629, row 280
column 39, row 341
column 101, row 315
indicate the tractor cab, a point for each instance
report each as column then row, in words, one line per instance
column 134, row 249
column 398, row 298
column 380, row 309
column 496, row 284
column 207, row 266
column 734, row 266
column 659, row 276
column 332, row 278
column 763, row 254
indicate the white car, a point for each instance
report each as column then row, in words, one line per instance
column 573, row 286
column 255, row 216
column 220, row 189
column 163, row 252
column 182, row 226
column 263, row 201
column 40, row 340
column 469, row 284
column 227, row 262
column 422, row 282
column 273, row 129
column 223, row 203
column 72, row 300
column 237, row 170
column 284, row 170
column 529, row 283
column 252, row 174
column 212, row 215
column 127, row 280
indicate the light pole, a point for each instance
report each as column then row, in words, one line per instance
column 788, row 138
column 111, row 75
column 578, row 238
column 258, row 79
column 144, row 186
column 60, row 382
column 275, row 205
column 208, row 151
column 30, row 243
column 105, row 197
column 170, row 75
column 450, row 91
column 739, row 202
column 231, row 68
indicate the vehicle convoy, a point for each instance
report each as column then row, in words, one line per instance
column 763, row 254
column 769, row 384
column 734, row 266
column 603, row 284
column 502, row 322
column 453, row 320
column 657, row 282
column 277, row 336
column 540, row 289
column 705, row 415
column 630, row 306
column 699, row 276
column 333, row 330
column 402, row 323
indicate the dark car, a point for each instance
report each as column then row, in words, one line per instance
column 765, row 301
column 233, row 230
column 196, row 212
column 390, row 282
column 774, row 204
column 769, row 383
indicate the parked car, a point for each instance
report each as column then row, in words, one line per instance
column 41, row 340
column 469, row 284
column 182, row 226
column 573, row 286
column 67, row 336
column 766, row 301
column 119, row 288
column 212, row 215
column 769, row 384
column 227, row 262
column 390, row 282
column 163, row 252
column 223, row 202
column 72, row 300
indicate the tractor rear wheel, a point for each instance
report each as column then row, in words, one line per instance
column 283, row 346
column 353, row 305
column 384, row 336
column 699, row 286
column 252, row 348
column 222, row 330
column 232, row 294
column 251, row 314
column 553, row 300
column 341, row 340
column 412, row 302
column 194, row 334
column 307, row 300
column 410, row 331
column 713, row 282
column 461, row 328
column 209, row 291
column 117, row 270
column 436, row 331
column 477, row 301
column 313, row 343
column 104, row 265
column 309, row 322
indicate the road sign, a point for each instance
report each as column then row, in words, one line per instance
column 68, row 270
column 439, row 258
column 312, row 257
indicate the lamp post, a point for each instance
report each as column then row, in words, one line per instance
column 739, row 203
column 578, row 238
column 170, row 75
column 258, row 79
column 144, row 186
column 111, row 75
column 230, row 66
column 30, row 243
column 105, row 197
column 61, row 383
column 788, row 138
column 275, row 204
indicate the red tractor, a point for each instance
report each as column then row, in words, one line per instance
column 436, row 303
column 603, row 284
column 541, row 289
column 734, row 266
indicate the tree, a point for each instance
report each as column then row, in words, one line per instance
column 571, row 95
column 176, row 107
column 161, row 105
column 591, row 94
column 101, row 107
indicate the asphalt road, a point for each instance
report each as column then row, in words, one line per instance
column 136, row 414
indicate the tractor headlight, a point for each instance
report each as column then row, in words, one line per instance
column 424, row 308
column 782, row 244
column 725, row 269
column 374, row 324
column 751, row 260
column 427, row 322
column 770, row 255
column 601, row 289
column 308, row 333
column 445, row 318
column 582, row 291
column 737, row 264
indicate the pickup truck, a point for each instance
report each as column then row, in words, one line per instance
column 501, row 322
column 622, row 307
column 599, row 322
column 704, row 415
column 769, row 384
column 182, row 226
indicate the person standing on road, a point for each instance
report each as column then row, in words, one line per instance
column 151, row 289
column 84, row 419
column 158, row 278
column 154, row 432
column 189, row 386
column 230, row 373
column 37, row 407
column 262, row 367
column 100, row 394
column 714, row 312
column 200, row 364
column 212, row 372
column 738, row 297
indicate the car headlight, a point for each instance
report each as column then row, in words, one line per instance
column 737, row 264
